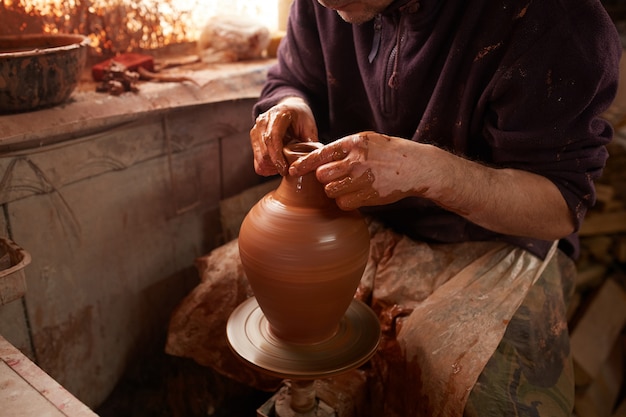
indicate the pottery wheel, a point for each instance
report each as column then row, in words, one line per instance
column 354, row 343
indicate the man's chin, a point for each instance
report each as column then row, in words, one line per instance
column 355, row 17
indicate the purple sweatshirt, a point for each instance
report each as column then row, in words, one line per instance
column 510, row 83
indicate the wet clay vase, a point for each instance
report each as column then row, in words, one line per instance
column 303, row 256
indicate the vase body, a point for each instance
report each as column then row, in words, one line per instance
column 303, row 256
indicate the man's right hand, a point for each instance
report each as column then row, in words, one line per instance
column 288, row 121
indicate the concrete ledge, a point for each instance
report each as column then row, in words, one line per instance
column 89, row 112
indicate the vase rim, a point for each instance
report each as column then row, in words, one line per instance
column 295, row 150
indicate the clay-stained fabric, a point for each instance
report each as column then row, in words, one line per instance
column 532, row 368
column 443, row 309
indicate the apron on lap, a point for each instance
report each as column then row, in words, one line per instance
column 444, row 310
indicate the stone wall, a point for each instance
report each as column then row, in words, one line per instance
column 113, row 221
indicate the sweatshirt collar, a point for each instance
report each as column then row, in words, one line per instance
column 410, row 6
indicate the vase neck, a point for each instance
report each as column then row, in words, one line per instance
column 303, row 190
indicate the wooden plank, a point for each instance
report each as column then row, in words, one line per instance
column 599, row 398
column 620, row 248
column 598, row 330
column 599, row 246
column 604, row 223
column 29, row 391
column 604, row 193
column 18, row 398
column 590, row 276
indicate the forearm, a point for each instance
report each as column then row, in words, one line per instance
column 507, row 201
column 370, row 169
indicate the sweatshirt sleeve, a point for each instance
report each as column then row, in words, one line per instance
column 545, row 112
column 300, row 68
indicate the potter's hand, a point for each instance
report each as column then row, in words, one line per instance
column 364, row 169
column 372, row 169
column 289, row 120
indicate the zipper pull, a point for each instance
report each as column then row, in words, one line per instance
column 378, row 25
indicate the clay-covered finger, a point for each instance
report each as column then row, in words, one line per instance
column 333, row 171
column 353, row 201
column 263, row 164
column 329, row 153
column 350, row 184
column 275, row 138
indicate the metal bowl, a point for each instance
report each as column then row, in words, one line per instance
column 41, row 70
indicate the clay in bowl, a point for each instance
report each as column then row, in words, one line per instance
column 39, row 70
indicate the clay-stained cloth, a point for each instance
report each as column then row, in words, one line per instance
column 444, row 311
